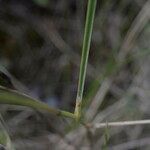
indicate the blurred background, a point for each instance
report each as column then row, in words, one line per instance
column 40, row 49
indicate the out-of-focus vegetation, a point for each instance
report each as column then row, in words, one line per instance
column 40, row 46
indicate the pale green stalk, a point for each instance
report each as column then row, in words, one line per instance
column 12, row 97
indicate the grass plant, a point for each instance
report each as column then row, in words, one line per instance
column 12, row 97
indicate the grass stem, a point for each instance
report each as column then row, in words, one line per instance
column 85, row 53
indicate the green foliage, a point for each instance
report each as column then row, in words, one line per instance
column 41, row 2
column 4, row 136
column 106, row 138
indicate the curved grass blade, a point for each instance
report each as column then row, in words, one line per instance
column 13, row 97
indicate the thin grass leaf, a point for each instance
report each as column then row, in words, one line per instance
column 13, row 97
column 85, row 53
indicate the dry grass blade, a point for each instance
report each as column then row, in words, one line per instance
column 137, row 26
column 120, row 123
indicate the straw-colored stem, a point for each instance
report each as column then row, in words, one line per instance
column 120, row 123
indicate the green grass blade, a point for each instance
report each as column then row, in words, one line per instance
column 85, row 53
column 5, row 140
column 12, row 97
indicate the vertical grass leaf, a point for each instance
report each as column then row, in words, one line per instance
column 85, row 53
